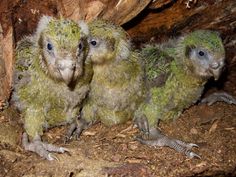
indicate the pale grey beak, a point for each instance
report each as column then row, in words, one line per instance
column 216, row 69
column 66, row 69
column 67, row 75
column 216, row 74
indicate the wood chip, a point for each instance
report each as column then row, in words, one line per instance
column 127, row 129
column 230, row 128
column 134, row 160
column 89, row 133
column 204, row 163
column 116, row 158
column 119, row 135
column 193, row 131
column 214, row 126
column 2, row 118
column 133, row 146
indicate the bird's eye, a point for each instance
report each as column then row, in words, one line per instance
column 49, row 46
column 93, row 42
column 201, row 53
column 80, row 46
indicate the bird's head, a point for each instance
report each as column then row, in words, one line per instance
column 204, row 53
column 63, row 48
column 107, row 42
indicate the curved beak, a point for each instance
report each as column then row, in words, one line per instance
column 216, row 69
column 216, row 74
column 67, row 70
column 67, row 75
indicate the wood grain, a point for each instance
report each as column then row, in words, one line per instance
column 118, row 11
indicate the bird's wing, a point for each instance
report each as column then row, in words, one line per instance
column 24, row 55
column 157, row 65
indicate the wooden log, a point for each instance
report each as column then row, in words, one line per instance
column 118, row 11
column 172, row 18
column 6, row 62
column 6, row 49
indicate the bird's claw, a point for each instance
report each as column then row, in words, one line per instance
column 76, row 129
column 63, row 150
column 188, row 146
column 193, row 145
column 41, row 148
column 142, row 124
column 70, row 132
column 192, row 155
column 52, row 157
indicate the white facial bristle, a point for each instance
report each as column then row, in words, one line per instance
column 84, row 27
column 43, row 23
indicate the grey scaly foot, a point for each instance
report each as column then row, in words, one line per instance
column 158, row 139
column 142, row 124
column 70, row 132
column 163, row 140
column 41, row 148
column 172, row 143
column 76, row 129
column 222, row 96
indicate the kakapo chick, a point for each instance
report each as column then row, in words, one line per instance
column 116, row 86
column 176, row 73
column 51, row 79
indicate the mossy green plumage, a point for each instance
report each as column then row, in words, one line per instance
column 117, row 84
column 44, row 100
column 173, row 81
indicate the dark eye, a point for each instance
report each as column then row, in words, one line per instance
column 80, row 46
column 94, row 43
column 201, row 53
column 49, row 46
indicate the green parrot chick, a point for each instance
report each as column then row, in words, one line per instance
column 116, row 87
column 176, row 73
column 52, row 78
